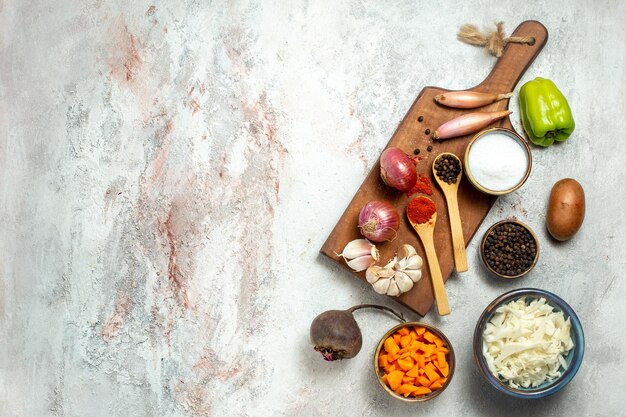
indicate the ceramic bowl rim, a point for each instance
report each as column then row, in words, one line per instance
column 577, row 334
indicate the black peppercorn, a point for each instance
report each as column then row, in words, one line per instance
column 429, row 148
column 448, row 168
column 416, row 152
column 420, row 119
column 510, row 249
column 427, row 131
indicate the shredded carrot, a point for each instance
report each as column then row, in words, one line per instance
column 406, row 389
column 414, row 372
column 441, row 360
column 382, row 361
column 435, row 385
column 415, row 362
column 431, row 373
column 428, row 349
column 422, row 362
column 408, row 380
column 421, row 391
column 405, row 364
column 394, row 379
column 405, row 341
column 425, row 381
column 391, row 346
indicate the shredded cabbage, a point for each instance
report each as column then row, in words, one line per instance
column 526, row 344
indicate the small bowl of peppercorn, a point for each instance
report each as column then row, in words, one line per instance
column 509, row 249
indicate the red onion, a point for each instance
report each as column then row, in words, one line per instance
column 397, row 169
column 379, row 221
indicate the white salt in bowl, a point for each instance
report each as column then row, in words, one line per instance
column 497, row 161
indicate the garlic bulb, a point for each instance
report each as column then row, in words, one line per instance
column 360, row 254
column 399, row 275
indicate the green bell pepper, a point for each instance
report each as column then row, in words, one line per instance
column 546, row 116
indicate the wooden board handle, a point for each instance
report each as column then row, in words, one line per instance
column 515, row 59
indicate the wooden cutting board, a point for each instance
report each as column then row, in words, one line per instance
column 409, row 135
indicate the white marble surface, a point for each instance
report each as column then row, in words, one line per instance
column 169, row 171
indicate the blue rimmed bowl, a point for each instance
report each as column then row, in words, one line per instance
column 573, row 359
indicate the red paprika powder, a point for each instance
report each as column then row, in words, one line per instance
column 421, row 186
column 420, row 209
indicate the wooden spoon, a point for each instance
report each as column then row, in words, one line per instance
column 451, row 191
column 425, row 232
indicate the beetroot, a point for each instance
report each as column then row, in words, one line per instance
column 336, row 334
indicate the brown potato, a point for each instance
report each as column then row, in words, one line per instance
column 566, row 209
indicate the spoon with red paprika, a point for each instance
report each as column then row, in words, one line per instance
column 422, row 214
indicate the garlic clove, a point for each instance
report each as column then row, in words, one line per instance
column 387, row 273
column 375, row 253
column 361, row 263
column 393, row 289
column 376, row 272
column 373, row 273
column 392, row 263
column 401, row 264
column 406, row 251
column 382, row 285
column 358, row 248
column 414, row 262
column 406, row 254
column 414, row 274
column 370, row 276
column 403, row 281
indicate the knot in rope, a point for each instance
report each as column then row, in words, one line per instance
column 493, row 41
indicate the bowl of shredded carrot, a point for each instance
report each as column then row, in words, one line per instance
column 414, row 362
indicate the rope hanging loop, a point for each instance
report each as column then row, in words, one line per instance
column 494, row 41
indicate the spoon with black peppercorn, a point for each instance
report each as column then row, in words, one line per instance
column 448, row 170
